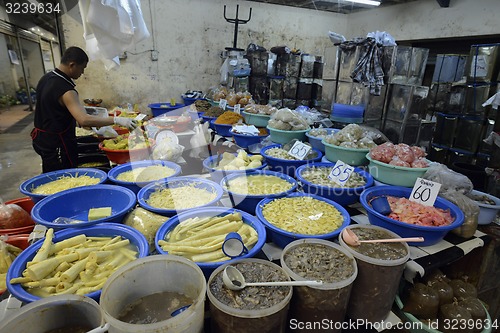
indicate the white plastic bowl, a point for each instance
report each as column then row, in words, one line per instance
column 487, row 213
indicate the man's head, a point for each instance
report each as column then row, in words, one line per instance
column 73, row 62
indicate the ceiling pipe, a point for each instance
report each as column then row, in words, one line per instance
column 444, row 3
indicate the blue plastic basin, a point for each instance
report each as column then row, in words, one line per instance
column 342, row 195
column 287, row 167
column 160, row 108
column 98, row 230
column 248, row 203
column 27, row 186
column 136, row 186
column 174, row 182
column 75, row 204
column 282, row 238
column 206, row 267
column 431, row 234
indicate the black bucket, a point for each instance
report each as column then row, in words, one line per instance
column 474, row 172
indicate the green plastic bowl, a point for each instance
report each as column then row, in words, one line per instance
column 258, row 120
column 351, row 156
column 393, row 174
column 283, row 137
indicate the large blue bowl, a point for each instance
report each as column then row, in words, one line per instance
column 158, row 109
column 282, row 238
column 211, row 162
column 247, row 140
column 98, row 230
column 209, row 120
column 222, row 129
column 136, row 186
column 287, row 167
column 432, row 235
column 207, row 267
column 175, row 182
column 27, row 186
column 76, row 202
column 248, row 203
column 342, row 195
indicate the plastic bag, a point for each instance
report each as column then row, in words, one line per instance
column 13, row 216
column 200, row 140
column 449, row 179
column 167, row 151
column 470, row 210
column 106, row 131
column 335, row 37
column 146, row 222
column 288, row 120
column 382, row 37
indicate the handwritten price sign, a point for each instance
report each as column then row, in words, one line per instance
column 223, row 104
column 299, row 150
column 425, row 192
column 341, row 172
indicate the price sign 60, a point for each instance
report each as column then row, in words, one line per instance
column 425, row 192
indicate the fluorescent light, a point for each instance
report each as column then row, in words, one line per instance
column 364, row 2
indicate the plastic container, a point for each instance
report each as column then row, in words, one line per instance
column 56, row 312
column 99, row 230
column 258, row 120
column 227, row 319
column 282, row 137
column 75, row 204
column 174, row 182
column 121, row 156
column 211, row 162
column 342, row 195
column 161, row 108
column 209, row 267
column 136, row 186
column 209, row 120
column 432, row 234
column 222, row 129
column 317, row 142
column 244, row 141
column 282, row 238
column 351, row 156
column 329, row 301
column 248, row 203
column 287, row 167
column 393, row 174
column 377, row 282
column 27, row 205
column 487, row 213
column 151, row 275
column 27, row 186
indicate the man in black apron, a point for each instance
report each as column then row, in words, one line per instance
column 58, row 109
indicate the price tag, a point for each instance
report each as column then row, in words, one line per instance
column 299, row 150
column 140, row 117
column 425, row 192
column 237, row 108
column 223, row 104
column 341, row 172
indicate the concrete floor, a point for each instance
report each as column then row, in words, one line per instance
column 18, row 160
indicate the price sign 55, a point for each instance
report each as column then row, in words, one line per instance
column 299, row 150
column 341, row 172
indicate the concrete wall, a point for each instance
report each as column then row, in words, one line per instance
column 425, row 19
column 190, row 35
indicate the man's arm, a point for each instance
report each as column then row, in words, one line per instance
column 70, row 100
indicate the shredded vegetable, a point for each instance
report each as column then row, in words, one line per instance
column 182, row 197
column 64, row 183
column 411, row 212
column 303, row 215
column 146, row 174
column 258, row 185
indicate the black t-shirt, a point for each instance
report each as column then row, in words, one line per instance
column 50, row 115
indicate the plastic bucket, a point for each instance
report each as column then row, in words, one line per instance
column 62, row 311
column 152, row 275
column 329, row 301
column 26, row 204
column 377, row 283
column 474, row 172
column 228, row 319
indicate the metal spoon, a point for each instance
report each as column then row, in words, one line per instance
column 234, row 280
column 352, row 239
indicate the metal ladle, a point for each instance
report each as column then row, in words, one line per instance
column 234, row 280
column 352, row 239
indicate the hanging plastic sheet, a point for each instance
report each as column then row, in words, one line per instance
column 111, row 27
